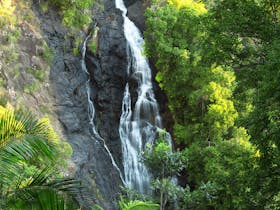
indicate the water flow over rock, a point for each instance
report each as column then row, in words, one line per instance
column 91, row 110
column 138, row 123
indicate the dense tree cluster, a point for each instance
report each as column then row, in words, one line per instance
column 218, row 63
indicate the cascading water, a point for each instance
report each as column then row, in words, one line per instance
column 139, row 126
column 91, row 110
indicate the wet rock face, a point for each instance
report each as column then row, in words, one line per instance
column 92, row 164
column 108, row 77
column 128, row 3
column 135, row 12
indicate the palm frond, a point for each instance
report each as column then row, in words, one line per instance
column 28, row 144
column 17, row 123
column 42, row 180
column 40, row 193
column 23, row 139
column 68, row 185
column 51, row 200
column 43, row 199
column 27, row 149
column 39, row 127
column 137, row 205
column 9, row 127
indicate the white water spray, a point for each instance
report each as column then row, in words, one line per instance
column 139, row 126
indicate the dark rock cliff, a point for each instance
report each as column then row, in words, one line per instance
column 135, row 12
column 91, row 162
column 109, row 78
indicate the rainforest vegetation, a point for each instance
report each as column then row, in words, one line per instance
column 218, row 62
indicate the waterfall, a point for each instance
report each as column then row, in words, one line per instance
column 91, row 110
column 139, row 126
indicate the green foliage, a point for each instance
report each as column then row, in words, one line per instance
column 47, row 53
column 40, row 74
column 13, row 36
column 6, row 13
column 164, row 164
column 42, row 194
column 44, row 6
column 37, row 73
column 27, row 147
column 132, row 194
column 200, row 95
column 75, row 13
column 275, row 204
column 3, row 99
column 2, row 82
column 92, row 43
column 168, row 192
column 30, row 88
column 162, row 161
column 77, row 43
column 220, row 71
column 97, row 207
column 92, row 46
column 264, row 123
column 228, row 165
column 220, row 176
column 202, row 198
column 137, row 205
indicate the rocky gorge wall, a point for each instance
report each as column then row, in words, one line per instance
column 91, row 162
column 61, row 92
